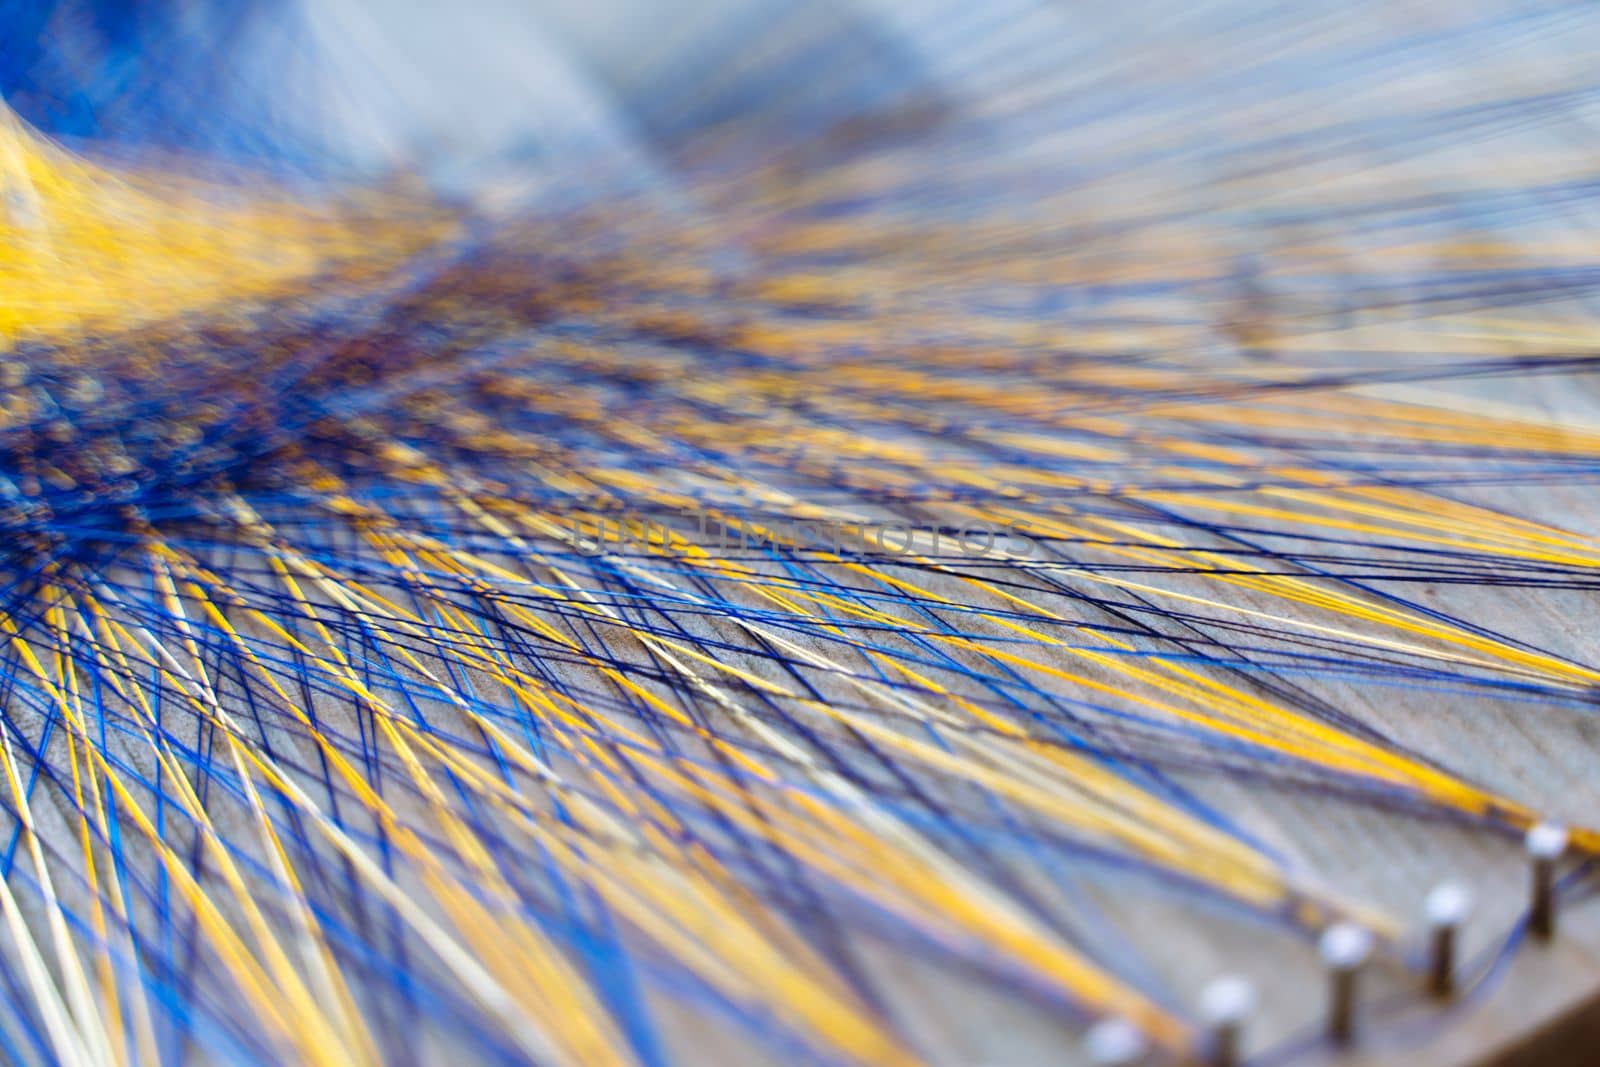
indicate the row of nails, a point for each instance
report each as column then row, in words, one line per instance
column 1226, row 1003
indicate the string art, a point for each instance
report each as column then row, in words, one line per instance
column 962, row 525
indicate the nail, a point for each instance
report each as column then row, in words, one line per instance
column 1225, row 1004
column 1115, row 1042
column 1345, row 949
column 1545, row 844
column 1446, row 908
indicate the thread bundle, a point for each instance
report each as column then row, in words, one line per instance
column 409, row 647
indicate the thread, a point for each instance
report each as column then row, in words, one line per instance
column 416, row 635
